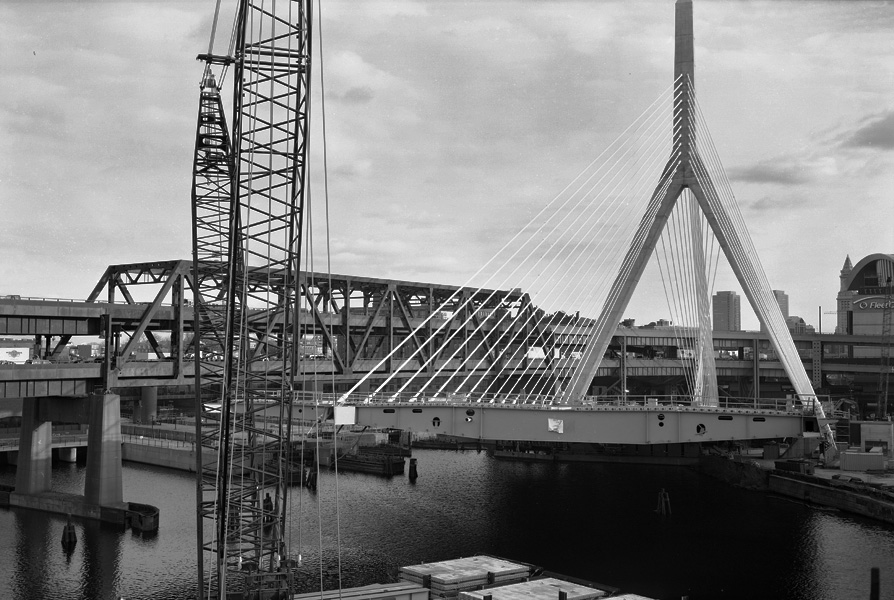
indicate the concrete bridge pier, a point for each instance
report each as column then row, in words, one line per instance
column 34, row 460
column 148, row 405
column 104, row 485
column 69, row 455
column 103, row 488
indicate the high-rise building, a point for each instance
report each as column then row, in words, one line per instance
column 727, row 312
column 782, row 301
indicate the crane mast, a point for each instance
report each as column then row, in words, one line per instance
column 884, row 377
column 248, row 204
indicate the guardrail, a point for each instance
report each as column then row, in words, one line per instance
column 157, row 442
column 16, row 297
column 541, row 400
column 12, row 443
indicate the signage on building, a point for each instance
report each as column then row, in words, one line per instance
column 872, row 303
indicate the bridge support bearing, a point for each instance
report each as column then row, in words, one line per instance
column 104, row 484
column 35, row 457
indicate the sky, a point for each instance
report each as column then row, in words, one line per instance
column 448, row 125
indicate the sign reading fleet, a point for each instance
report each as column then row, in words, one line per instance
column 873, row 303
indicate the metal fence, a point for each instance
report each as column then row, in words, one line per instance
column 788, row 405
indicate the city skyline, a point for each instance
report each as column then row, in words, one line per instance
column 448, row 127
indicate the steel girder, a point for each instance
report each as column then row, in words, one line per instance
column 171, row 279
column 360, row 321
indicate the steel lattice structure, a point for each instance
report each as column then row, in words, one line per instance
column 248, row 207
column 212, row 193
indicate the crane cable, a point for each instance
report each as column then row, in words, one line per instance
column 346, row 302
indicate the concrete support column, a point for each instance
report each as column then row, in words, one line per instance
column 148, row 405
column 104, row 484
column 35, row 459
column 69, row 455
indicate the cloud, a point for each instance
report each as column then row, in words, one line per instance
column 775, row 203
column 877, row 133
column 774, row 171
column 358, row 95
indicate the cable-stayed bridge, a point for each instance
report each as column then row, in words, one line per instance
column 660, row 191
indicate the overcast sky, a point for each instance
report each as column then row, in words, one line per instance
column 448, row 125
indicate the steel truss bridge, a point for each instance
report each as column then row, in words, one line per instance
column 353, row 322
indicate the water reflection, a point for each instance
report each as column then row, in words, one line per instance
column 592, row 521
column 99, row 569
column 32, row 548
column 44, row 569
column 829, row 557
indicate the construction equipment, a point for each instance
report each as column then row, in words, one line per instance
column 248, row 206
column 885, row 362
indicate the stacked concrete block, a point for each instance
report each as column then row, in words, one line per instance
column 387, row 591
column 447, row 579
column 547, row 588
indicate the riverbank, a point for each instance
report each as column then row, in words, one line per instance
column 865, row 494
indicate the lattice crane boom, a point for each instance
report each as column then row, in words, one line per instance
column 248, row 205
column 885, row 376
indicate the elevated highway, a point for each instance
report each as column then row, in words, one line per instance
column 353, row 322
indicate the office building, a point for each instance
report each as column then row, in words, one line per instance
column 726, row 312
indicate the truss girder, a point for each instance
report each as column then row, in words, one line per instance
column 363, row 318
column 170, row 277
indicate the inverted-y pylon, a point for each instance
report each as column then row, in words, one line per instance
column 686, row 170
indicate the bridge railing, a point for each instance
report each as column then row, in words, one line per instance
column 16, row 297
column 8, row 444
column 159, row 442
column 543, row 400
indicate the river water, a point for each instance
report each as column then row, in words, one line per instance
column 592, row 521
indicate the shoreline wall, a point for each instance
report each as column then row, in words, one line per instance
column 807, row 488
column 160, row 456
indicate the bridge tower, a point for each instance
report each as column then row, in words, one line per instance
column 686, row 170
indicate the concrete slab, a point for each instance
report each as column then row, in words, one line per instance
column 386, row 591
column 547, row 588
column 447, row 578
column 472, row 568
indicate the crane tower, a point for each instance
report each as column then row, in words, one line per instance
column 248, row 204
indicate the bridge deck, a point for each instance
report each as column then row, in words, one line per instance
column 646, row 421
